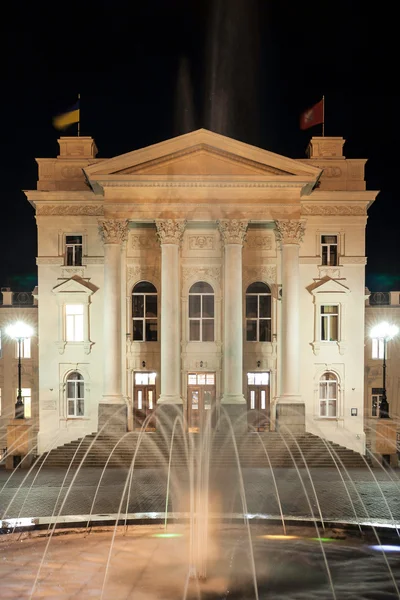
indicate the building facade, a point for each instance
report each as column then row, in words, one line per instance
column 203, row 274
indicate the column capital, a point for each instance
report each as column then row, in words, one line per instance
column 233, row 231
column 170, row 231
column 290, row 231
column 113, row 231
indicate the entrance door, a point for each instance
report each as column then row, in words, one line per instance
column 144, row 400
column 201, row 400
column 258, row 401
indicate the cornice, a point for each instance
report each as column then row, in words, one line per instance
column 89, row 210
column 204, row 182
column 347, row 196
column 333, row 209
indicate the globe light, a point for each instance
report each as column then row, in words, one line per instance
column 19, row 331
column 384, row 331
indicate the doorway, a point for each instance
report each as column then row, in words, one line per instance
column 258, row 401
column 144, row 401
column 201, row 400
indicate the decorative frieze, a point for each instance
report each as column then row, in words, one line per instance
column 92, row 260
column 170, row 231
column 290, row 231
column 263, row 273
column 137, row 273
column 201, row 272
column 68, row 272
column 143, row 241
column 49, row 260
column 70, row 209
column 332, row 272
column 233, row 231
column 328, row 210
column 258, row 241
column 353, row 260
column 113, row 231
column 201, row 242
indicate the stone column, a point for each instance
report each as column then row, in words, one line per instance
column 233, row 233
column 170, row 234
column 114, row 232
column 290, row 233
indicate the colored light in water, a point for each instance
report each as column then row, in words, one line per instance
column 279, row 537
column 324, row 539
column 386, row 548
column 167, row 535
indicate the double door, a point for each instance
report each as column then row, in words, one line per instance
column 201, row 400
column 258, row 407
column 143, row 407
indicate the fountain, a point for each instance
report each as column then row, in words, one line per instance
column 203, row 523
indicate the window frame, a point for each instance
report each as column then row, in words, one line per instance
column 377, row 348
column 144, row 319
column 75, row 398
column 73, row 317
column 258, row 319
column 325, row 400
column 328, row 317
column 379, row 396
column 328, row 245
column 74, row 263
column 201, row 319
column 26, row 349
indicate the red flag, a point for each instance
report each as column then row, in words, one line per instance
column 312, row 116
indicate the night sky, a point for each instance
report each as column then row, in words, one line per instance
column 246, row 68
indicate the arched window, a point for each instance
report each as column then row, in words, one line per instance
column 201, row 312
column 144, row 312
column 328, row 395
column 75, row 395
column 258, row 313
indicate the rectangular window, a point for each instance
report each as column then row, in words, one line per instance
column 73, row 250
column 376, row 398
column 74, row 322
column 329, row 323
column 329, row 250
column 25, row 348
column 26, row 398
column 377, row 347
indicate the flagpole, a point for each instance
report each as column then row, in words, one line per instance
column 323, row 116
column 79, row 120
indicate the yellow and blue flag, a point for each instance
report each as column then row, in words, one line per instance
column 65, row 119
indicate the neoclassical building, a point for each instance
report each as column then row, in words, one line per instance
column 202, row 274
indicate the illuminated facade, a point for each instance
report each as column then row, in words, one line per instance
column 206, row 274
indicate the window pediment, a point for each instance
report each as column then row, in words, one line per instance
column 75, row 285
column 327, row 285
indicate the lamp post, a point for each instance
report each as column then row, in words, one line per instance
column 385, row 332
column 19, row 332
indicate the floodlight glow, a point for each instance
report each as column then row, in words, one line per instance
column 384, row 331
column 19, row 330
column 386, row 548
column 279, row 537
column 166, row 535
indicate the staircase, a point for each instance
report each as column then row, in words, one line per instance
column 254, row 450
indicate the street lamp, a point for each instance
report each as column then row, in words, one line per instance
column 385, row 332
column 19, row 331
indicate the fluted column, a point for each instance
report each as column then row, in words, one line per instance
column 114, row 232
column 290, row 234
column 233, row 233
column 170, row 234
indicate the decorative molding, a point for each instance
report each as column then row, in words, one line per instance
column 289, row 231
column 201, row 184
column 353, row 260
column 70, row 271
column 324, row 209
column 262, row 273
column 211, row 272
column 143, row 241
column 258, row 241
column 50, row 260
column 113, row 231
column 70, row 209
column 142, row 273
column 201, row 242
column 170, row 231
column 332, row 272
column 92, row 260
column 233, row 231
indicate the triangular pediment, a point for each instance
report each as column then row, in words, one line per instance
column 201, row 153
column 327, row 285
column 75, row 285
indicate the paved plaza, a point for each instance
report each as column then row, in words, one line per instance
column 356, row 495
